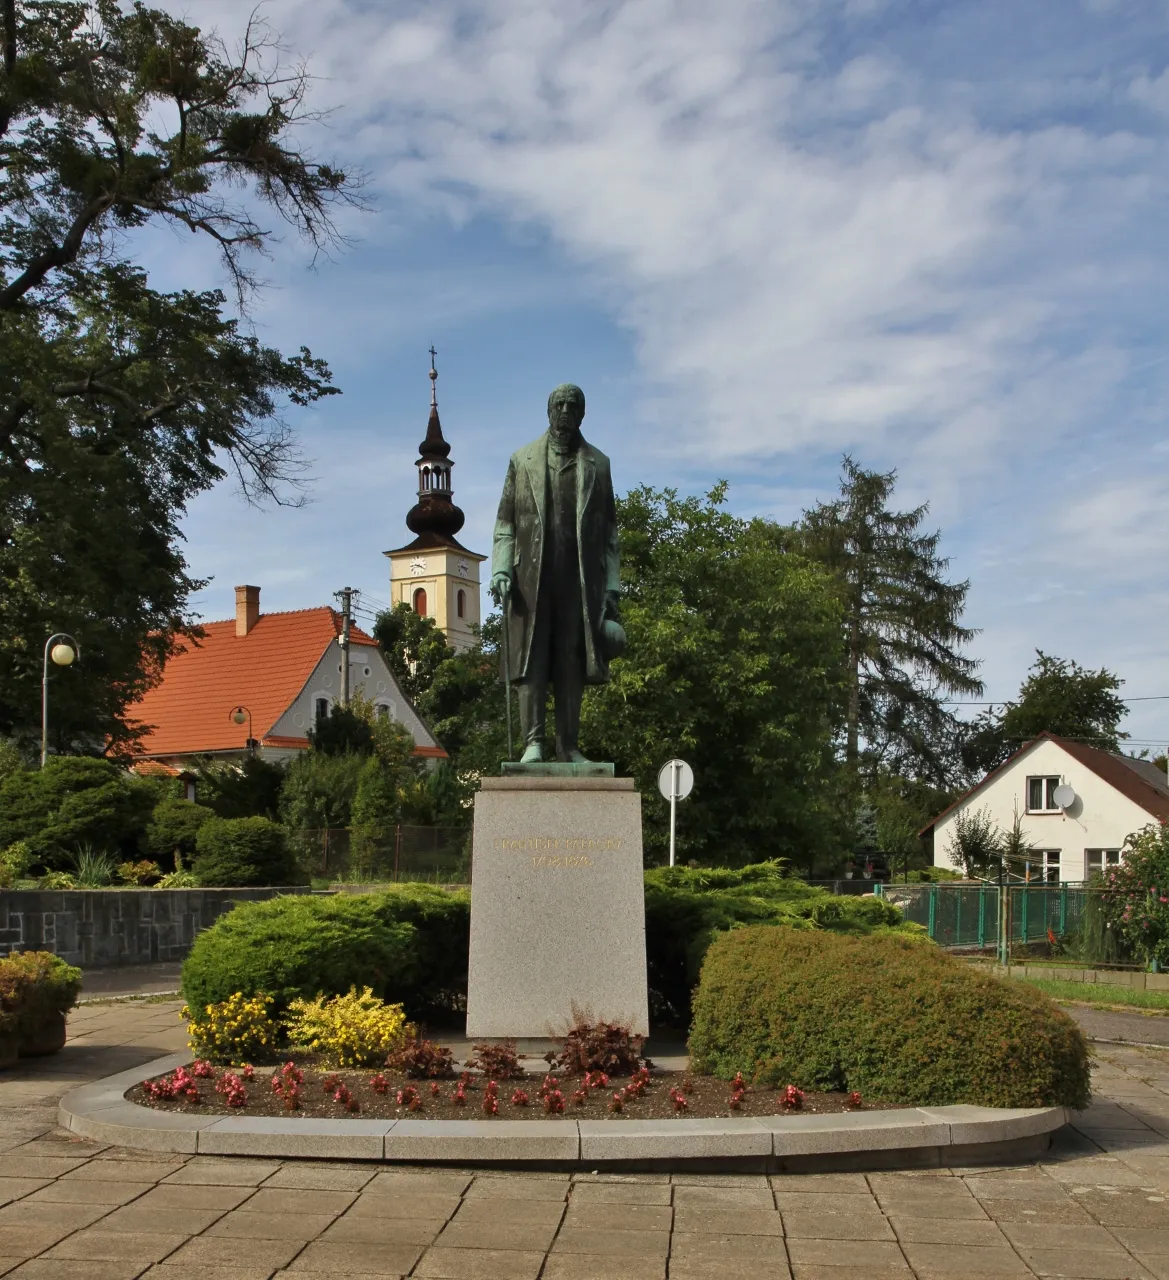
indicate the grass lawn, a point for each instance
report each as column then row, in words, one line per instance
column 1101, row 995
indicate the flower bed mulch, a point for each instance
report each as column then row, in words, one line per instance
column 391, row 1095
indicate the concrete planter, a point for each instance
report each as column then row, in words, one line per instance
column 48, row 1037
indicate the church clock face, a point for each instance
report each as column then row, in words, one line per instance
column 417, row 567
column 464, row 569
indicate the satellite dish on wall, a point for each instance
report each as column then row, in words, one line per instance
column 1064, row 796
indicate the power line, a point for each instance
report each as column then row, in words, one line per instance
column 1002, row 702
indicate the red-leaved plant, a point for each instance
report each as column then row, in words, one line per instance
column 497, row 1061
column 855, row 1101
column 232, row 1089
column 791, row 1098
column 286, row 1085
column 423, row 1060
column 520, row 1098
column 606, row 1047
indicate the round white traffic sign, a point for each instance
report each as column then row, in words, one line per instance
column 675, row 780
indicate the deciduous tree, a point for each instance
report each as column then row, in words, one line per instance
column 735, row 663
column 1058, row 696
column 119, row 402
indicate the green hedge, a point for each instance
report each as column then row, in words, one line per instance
column 409, row 944
column 687, row 908
column 243, row 852
column 894, row 1017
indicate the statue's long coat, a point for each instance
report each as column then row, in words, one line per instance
column 521, row 537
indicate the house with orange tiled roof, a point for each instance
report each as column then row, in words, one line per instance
column 282, row 669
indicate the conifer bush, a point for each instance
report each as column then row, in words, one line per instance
column 408, row 944
column 891, row 1016
column 243, row 851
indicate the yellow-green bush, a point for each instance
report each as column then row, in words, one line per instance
column 350, row 1030
column 238, row 1029
column 898, row 1019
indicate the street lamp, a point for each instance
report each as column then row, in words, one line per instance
column 241, row 715
column 62, row 654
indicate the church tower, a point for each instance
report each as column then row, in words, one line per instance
column 435, row 574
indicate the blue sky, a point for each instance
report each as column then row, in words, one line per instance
column 759, row 234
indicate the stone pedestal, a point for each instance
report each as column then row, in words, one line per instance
column 557, row 907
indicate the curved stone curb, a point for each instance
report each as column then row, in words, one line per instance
column 919, row 1137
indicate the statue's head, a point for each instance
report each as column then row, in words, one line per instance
column 566, row 409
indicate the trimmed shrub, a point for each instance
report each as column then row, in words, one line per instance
column 895, row 1018
column 243, row 851
column 302, row 947
column 239, row 1029
column 174, row 829
column 686, row 908
column 350, row 1030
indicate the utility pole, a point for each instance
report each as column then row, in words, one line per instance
column 346, row 594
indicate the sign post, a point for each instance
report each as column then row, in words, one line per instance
column 675, row 782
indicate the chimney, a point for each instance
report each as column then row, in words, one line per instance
column 247, row 609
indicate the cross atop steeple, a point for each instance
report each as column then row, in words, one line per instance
column 433, row 378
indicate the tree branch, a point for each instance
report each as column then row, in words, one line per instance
column 59, row 256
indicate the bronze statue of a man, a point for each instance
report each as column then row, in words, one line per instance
column 554, row 563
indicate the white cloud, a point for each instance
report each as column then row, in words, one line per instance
column 826, row 226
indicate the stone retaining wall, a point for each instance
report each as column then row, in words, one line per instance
column 100, row 928
column 1135, row 979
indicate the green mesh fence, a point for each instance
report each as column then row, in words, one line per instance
column 967, row 915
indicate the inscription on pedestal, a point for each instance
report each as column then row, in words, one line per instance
column 546, row 944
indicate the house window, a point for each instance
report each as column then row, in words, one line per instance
column 1041, row 795
column 461, row 603
column 1099, row 860
column 321, row 709
column 420, row 602
column 383, row 711
column 1042, row 867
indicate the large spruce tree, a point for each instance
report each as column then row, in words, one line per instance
column 118, row 402
column 903, row 636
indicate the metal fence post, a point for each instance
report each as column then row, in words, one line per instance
column 397, row 849
column 1063, row 910
column 1025, row 936
column 981, row 916
column 933, row 926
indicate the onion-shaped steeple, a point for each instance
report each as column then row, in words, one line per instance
column 434, row 511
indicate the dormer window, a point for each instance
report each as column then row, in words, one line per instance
column 1041, row 795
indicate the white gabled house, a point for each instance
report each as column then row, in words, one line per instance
column 1110, row 797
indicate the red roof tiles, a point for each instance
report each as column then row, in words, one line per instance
column 189, row 710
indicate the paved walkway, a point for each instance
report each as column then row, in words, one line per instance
column 1097, row 1208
